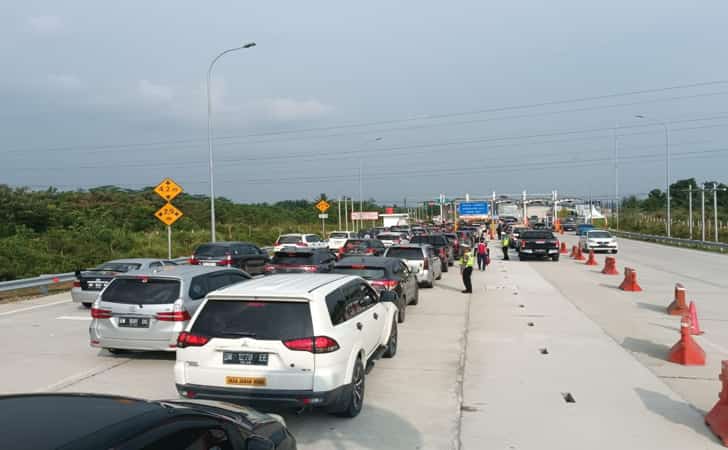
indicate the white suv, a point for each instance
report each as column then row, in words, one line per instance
column 299, row 240
column 294, row 340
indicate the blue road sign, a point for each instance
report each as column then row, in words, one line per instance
column 473, row 208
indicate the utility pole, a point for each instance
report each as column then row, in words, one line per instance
column 346, row 213
column 616, row 176
column 441, row 216
column 690, row 210
column 702, row 212
column 525, row 216
column 338, row 205
column 715, row 209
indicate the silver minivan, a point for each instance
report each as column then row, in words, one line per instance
column 421, row 259
column 147, row 310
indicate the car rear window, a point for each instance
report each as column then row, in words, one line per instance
column 119, row 267
column 291, row 239
column 212, row 250
column 405, row 253
column 434, row 240
column 293, row 258
column 353, row 243
column 142, row 291
column 599, row 234
column 258, row 319
column 537, row 234
column 368, row 273
column 339, row 235
column 389, row 236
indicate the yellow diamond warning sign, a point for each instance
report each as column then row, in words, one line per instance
column 323, row 206
column 168, row 214
column 168, row 189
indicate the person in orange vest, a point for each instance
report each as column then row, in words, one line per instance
column 483, row 255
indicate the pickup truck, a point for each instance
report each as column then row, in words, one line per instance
column 537, row 244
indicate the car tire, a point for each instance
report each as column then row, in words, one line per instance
column 87, row 305
column 402, row 312
column 522, row 257
column 444, row 268
column 555, row 258
column 352, row 404
column 115, row 351
column 391, row 342
column 417, row 296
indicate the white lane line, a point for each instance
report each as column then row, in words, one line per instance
column 30, row 308
column 73, row 317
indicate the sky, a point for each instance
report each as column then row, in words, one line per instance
column 470, row 96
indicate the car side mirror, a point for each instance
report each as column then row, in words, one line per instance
column 389, row 296
column 77, row 273
column 259, row 443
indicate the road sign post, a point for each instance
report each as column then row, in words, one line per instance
column 323, row 206
column 168, row 214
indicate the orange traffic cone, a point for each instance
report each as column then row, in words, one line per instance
column 592, row 261
column 579, row 255
column 573, row 252
column 630, row 281
column 561, row 230
column 563, row 250
column 678, row 307
column 717, row 418
column 610, row 266
column 686, row 352
column 694, row 324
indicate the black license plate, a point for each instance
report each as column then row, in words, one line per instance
column 245, row 358
column 134, row 322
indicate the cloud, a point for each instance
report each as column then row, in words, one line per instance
column 45, row 24
column 292, row 109
column 64, row 81
column 155, row 93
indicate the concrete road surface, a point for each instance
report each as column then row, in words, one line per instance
column 528, row 361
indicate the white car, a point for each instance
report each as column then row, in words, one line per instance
column 292, row 340
column 392, row 238
column 299, row 240
column 337, row 239
column 421, row 259
column 598, row 240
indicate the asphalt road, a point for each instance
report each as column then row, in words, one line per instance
column 541, row 355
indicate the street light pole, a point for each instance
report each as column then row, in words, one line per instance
column 616, row 176
column 209, row 133
column 667, row 167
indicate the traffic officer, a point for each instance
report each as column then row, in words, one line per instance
column 466, row 269
column 505, row 243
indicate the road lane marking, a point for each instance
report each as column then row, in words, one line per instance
column 30, row 308
column 74, row 317
column 79, row 377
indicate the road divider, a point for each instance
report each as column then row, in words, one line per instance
column 610, row 266
column 717, row 417
column 629, row 283
column 592, row 261
column 686, row 351
column 678, row 307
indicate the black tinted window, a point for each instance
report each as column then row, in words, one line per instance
column 258, row 319
column 405, row 253
column 537, row 235
column 368, row 273
column 289, row 239
column 198, row 287
column 250, row 250
column 212, row 250
column 142, row 291
column 293, row 258
column 217, row 281
column 336, row 304
column 119, row 267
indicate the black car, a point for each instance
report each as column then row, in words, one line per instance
column 538, row 244
column 297, row 260
column 243, row 255
column 569, row 224
column 93, row 422
column 373, row 247
column 384, row 274
column 442, row 245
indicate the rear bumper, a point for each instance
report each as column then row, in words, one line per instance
column 425, row 276
column 97, row 339
column 269, row 397
column 545, row 251
column 78, row 295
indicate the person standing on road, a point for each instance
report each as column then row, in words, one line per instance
column 466, row 269
column 505, row 243
column 499, row 229
column 482, row 255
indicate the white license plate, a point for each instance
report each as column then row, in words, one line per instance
column 209, row 264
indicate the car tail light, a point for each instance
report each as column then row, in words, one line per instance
column 387, row 284
column 76, row 283
column 186, row 339
column 316, row 344
column 228, row 261
column 98, row 313
column 309, row 268
column 301, row 244
column 173, row 316
column 369, row 251
column 194, row 261
column 523, row 244
column 269, row 268
column 426, row 265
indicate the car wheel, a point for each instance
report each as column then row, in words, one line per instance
column 392, row 342
column 555, row 258
column 353, row 404
column 522, row 257
column 439, row 277
column 87, row 305
column 115, row 351
column 402, row 312
column 417, row 296
column 444, row 268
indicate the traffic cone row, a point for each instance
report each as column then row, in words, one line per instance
column 678, row 307
column 686, row 351
column 563, row 249
column 717, row 418
column 573, row 252
column 579, row 256
column 610, row 266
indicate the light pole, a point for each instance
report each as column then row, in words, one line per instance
column 209, row 133
column 667, row 166
column 616, row 174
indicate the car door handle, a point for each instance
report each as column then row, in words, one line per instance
column 376, row 316
column 359, row 326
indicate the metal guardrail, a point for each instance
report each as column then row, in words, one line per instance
column 679, row 242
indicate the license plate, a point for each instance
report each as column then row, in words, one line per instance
column 245, row 358
column 209, row 264
column 245, row 381
column 540, row 250
column 134, row 322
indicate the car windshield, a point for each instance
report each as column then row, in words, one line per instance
column 599, row 234
column 290, row 239
column 212, row 250
column 259, row 319
column 294, row 258
column 368, row 273
column 338, row 235
column 537, row 234
column 119, row 267
column 142, row 291
column 405, row 253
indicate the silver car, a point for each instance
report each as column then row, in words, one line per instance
column 147, row 310
column 421, row 259
column 90, row 282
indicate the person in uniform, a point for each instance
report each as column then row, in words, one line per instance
column 466, row 269
column 505, row 243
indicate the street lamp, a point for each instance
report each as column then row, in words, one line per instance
column 209, row 132
column 667, row 165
